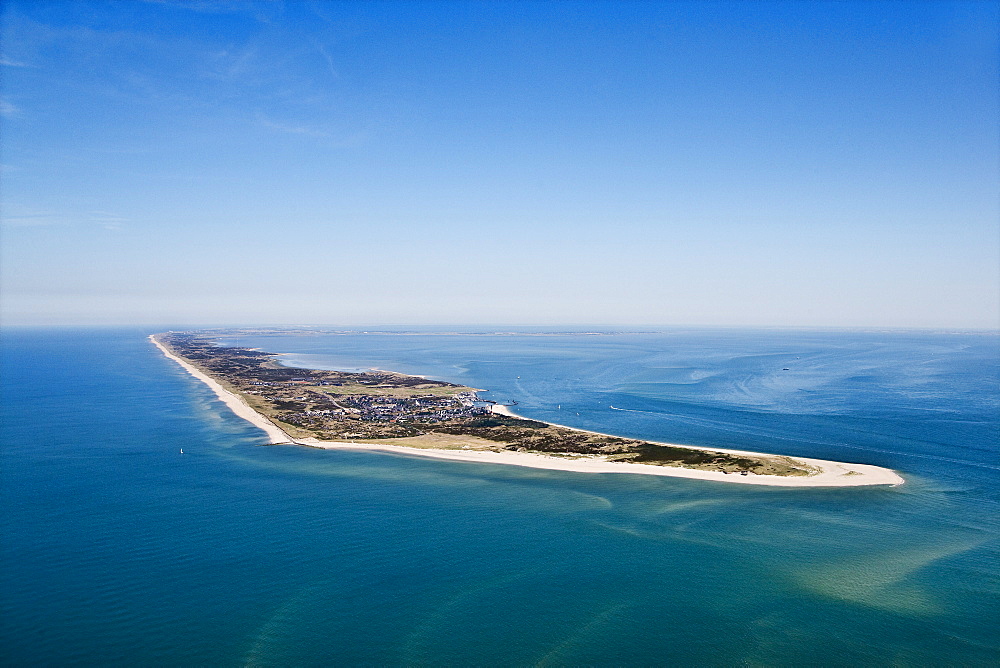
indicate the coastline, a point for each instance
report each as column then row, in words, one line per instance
column 831, row 473
column 236, row 403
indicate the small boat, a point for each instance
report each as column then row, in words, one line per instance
column 182, row 451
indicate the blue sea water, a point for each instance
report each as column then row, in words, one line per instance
column 119, row 550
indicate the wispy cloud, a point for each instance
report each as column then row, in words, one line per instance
column 33, row 219
column 8, row 109
column 107, row 220
column 262, row 10
column 295, row 129
column 319, row 9
column 332, row 137
column 272, row 65
column 234, row 63
column 328, row 58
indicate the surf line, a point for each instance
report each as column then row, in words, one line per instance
column 236, row 403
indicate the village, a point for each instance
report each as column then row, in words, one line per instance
column 333, row 404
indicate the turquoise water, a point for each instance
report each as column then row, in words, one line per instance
column 118, row 550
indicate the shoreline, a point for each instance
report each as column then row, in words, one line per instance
column 831, row 473
column 504, row 410
column 235, row 402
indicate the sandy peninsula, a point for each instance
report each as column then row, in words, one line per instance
column 827, row 473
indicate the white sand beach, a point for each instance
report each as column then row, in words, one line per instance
column 830, row 473
column 234, row 401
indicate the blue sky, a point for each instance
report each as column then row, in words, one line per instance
column 706, row 163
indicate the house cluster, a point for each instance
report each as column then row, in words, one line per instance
column 310, row 398
column 422, row 409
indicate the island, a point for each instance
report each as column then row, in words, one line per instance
column 384, row 410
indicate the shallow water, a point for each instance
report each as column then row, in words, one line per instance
column 119, row 550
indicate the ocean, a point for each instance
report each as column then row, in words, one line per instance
column 119, row 550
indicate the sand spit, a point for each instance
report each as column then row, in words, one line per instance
column 831, row 474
